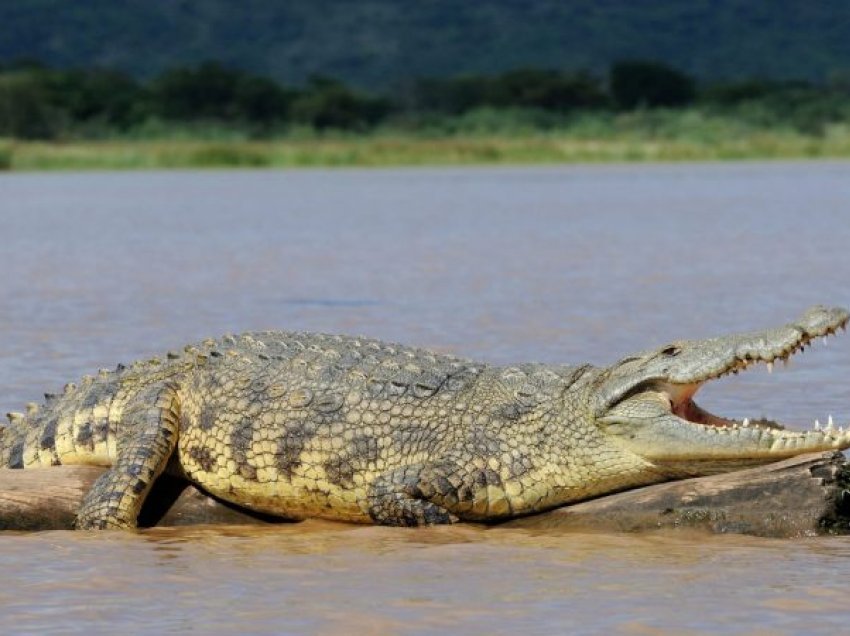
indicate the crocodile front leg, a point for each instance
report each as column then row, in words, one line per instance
column 148, row 437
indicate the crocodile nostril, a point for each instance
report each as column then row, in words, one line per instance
column 671, row 351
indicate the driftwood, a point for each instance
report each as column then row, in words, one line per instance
column 801, row 496
column 48, row 499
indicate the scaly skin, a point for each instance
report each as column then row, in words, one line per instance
column 305, row 425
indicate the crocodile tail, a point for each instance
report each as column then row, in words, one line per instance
column 12, row 439
column 11, row 447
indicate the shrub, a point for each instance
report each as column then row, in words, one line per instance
column 648, row 84
column 328, row 104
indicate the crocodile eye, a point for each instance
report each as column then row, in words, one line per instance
column 671, row 351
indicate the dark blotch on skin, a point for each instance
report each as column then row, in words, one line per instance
column 202, row 456
column 475, row 481
column 48, row 435
column 206, row 418
column 340, row 472
column 364, row 448
column 289, row 448
column 491, row 477
column 240, row 442
column 101, row 430
column 519, row 466
column 510, row 411
column 85, row 435
column 91, row 399
column 16, row 458
column 484, row 442
column 98, row 393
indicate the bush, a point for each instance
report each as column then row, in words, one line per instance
column 213, row 92
column 328, row 104
column 25, row 108
column 108, row 98
column 736, row 92
column 547, row 90
column 523, row 88
column 806, row 108
column 452, row 96
column 649, row 84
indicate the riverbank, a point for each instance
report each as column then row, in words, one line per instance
column 673, row 137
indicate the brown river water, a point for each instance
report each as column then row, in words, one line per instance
column 573, row 264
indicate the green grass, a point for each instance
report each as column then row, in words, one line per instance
column 486, row 137
column 6, row 154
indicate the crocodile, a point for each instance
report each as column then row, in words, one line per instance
column 301, row 425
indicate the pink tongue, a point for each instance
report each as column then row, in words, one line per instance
column 688, row 410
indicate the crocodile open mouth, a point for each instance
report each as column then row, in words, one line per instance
column 683, row 406
column 655, row 415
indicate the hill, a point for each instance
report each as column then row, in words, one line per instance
column 382, row 43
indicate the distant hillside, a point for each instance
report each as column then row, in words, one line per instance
column 380, row 43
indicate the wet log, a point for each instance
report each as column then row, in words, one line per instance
column 48, row 499
column 802, row 496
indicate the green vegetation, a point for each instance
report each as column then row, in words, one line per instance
column 213, row 116
column 659, row 136
column 649, row 84
column 5, row 156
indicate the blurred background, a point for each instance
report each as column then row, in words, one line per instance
column 393, row 82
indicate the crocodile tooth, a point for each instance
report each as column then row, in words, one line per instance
column 817, row 425
column 770, row 367
column 746, row 422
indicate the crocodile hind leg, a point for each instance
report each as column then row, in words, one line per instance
column 146, row 441
column 440, row 492
column 400, row 497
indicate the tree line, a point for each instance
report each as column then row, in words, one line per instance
column 37, row 102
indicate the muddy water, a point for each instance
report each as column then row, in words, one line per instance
column 554, row 264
